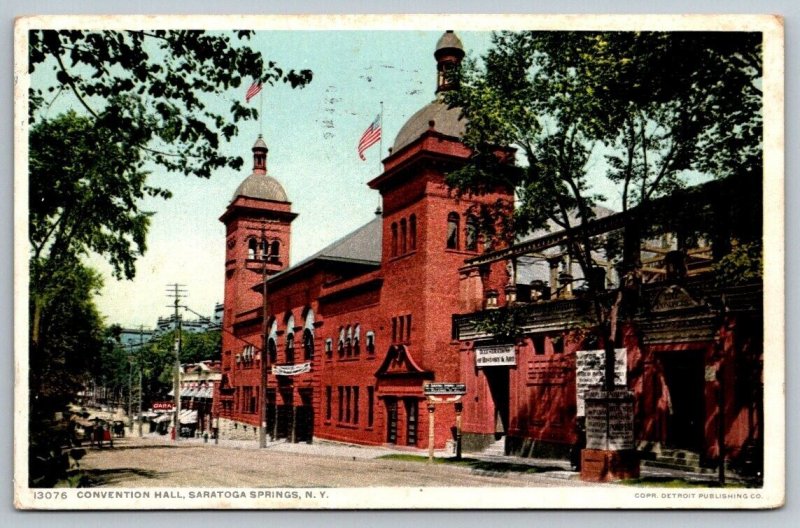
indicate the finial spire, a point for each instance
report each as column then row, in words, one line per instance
column 448, row 54
column 260, row 156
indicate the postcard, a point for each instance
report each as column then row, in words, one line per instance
column 399, row 262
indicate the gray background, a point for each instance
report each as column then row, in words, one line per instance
column 10, row 9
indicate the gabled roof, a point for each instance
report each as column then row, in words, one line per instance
column 362, row 246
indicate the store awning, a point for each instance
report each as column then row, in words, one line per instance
column 206, row 392
column 188, row 417
column 163, row 418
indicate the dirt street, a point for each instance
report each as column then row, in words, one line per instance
column 152, row 462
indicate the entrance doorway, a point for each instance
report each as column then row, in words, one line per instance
column 391, row 420
column 412, row 415
column 497, row 379
column 304, row 420
column 683, row 374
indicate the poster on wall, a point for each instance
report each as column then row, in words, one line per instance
column 590, row 372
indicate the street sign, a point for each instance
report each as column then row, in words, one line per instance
column 444, row 389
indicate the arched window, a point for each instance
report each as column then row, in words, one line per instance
column 272, row 350
column 251, row 248
column 308, row 344
column 290, row 339
column 290, row 348
column 471, row 236
column 412, row 232
column 394, row 239
column 275, row 254
column 348, row 341
column 357, row 340
column 371, row 343
column 340, row 345
column 403, row 236
column 452, row 231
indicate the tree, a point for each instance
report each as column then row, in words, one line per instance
column 142, row 99
column 145, row 98
column 72, row 341
column 158, row 85
column 648, row 106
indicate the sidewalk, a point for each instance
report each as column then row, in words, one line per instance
column 553, row 468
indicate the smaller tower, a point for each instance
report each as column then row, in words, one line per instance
column 449, row 53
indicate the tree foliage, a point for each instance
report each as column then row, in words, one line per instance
column 86, row 183
column 162, row 87
column 639, row 110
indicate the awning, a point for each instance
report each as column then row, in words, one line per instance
column 163, row 418
column 188, row 417
column 205, row 393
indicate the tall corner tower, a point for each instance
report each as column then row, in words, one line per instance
column 258, row 234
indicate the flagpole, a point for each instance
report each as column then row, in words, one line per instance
column 380, row 155
column 380, row 145
column 261, row 112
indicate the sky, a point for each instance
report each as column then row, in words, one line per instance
column 312, row 134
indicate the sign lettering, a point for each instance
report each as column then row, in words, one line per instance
column 495, row 355
column 291, row 370
column 590, row 372
column 444, row 388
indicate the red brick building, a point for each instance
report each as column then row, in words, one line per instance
column 356, row 329
column 690, row 342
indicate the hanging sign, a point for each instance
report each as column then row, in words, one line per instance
column 164, row 406
column 495, row 355
column 444, row 389
column 291, row 370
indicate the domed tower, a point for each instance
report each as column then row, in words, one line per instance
column 258, row 228
column 429, row 231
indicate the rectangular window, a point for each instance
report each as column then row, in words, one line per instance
column 401, row 332
column 329, row 348
column 347, row 402
column 394, row 329
column 538, row 345
column 341, row 404
column 328, row 402
column 370, row 406
column 408, row 328
column 558, row 344
column 355, row 405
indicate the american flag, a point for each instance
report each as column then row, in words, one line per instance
column 252, row 91
column 370, row 136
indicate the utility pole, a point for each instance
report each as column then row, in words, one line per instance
column 130, row 392
column 176, row 292
column 139, row 414
column 262, row 432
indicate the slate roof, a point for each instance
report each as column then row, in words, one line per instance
column 362, row 246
